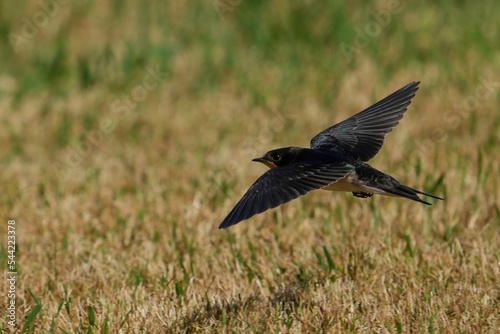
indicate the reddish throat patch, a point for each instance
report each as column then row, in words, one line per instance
column 269, row 164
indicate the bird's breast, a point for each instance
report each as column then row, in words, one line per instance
column 348, row 183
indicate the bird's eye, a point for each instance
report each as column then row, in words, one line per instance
column 276, row 156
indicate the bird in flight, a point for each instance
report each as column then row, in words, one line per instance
column 336, row 161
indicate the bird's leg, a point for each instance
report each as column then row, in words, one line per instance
column 362, row 194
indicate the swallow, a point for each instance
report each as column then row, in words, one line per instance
column 335, row 161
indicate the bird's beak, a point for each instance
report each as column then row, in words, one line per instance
column 265, row 162
column 261, row 160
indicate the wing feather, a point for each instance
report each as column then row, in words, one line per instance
column 362, row 135
column 281, row 185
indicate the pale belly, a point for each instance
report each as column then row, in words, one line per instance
column 347, row 184
column 351, row 183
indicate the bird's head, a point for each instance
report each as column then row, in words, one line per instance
column 279, row 157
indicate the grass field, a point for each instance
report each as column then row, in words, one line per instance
column 127, row 131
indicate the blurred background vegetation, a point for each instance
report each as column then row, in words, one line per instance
column 239, row 77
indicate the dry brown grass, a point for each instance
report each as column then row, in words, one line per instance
column 126, row 240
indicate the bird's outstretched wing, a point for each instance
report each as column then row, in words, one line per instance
column 362, row 135
column 283, row 184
